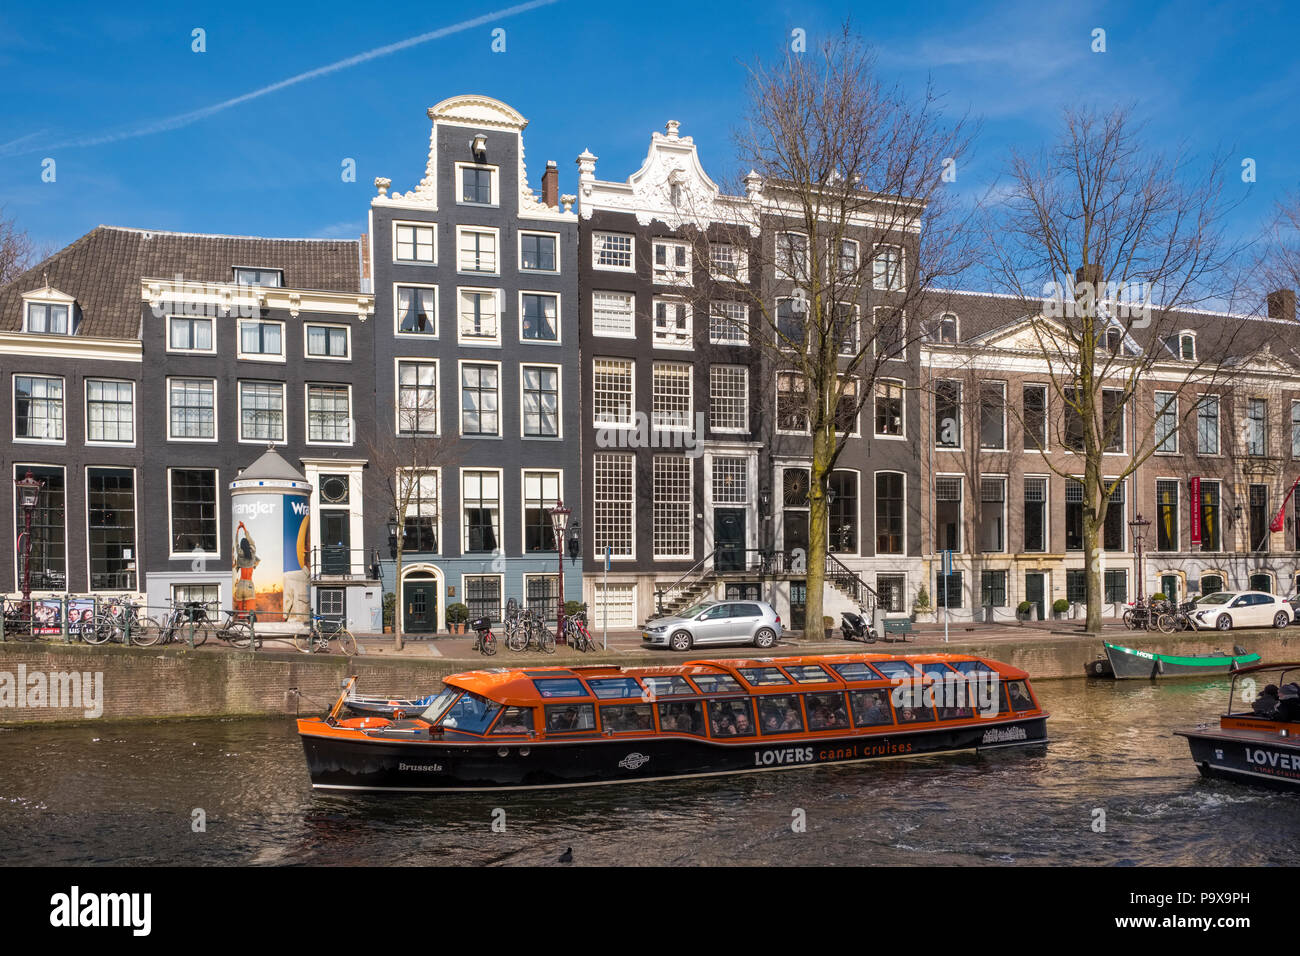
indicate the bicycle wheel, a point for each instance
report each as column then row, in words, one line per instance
column 489, row 643
column 304, row 640
column 347, row 642
column 517, row 639
column 239, row 634
column 547, row 640
column 99, row 632
column 146, row 632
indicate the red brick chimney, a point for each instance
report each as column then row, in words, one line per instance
column 1281, row 304
column 551, row 185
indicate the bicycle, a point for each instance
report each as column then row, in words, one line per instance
column 577, row 635
column 528, row 630
column 323, row 630
column 120, row 620
column 186, row 622
column 485, row 642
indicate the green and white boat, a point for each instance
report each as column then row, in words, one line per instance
column 1128, row 662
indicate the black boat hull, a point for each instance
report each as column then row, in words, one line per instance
column 338, row 763
column 1128, row 664
column 1263, row 763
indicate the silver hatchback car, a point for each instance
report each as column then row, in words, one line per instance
column 716, row 622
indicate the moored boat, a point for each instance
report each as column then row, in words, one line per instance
column 394, row 708
column 1128, row 662
column 1258, row 738
column 526, row 727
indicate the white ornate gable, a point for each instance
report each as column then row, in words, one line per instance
column 671, row 186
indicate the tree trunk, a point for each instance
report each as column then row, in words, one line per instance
column 399, row 613
column 818, row 523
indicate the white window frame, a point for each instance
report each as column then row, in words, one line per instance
column 930, row 426
column 167, row 334
column 462, row 541
column 437, row 308
column 458, row 187
column 1005, row 444
column 742, row 322
column 1160, row 398
column 216, row 417
column 744, row 370
column 839, row 256
column 677, row 368
column 63, row 409
column 558, row 474
column 397, row 395
column 438, row 497
column 135, row 418
column 742, row 263
column 657, row 520
column 559, row 398
column 498, row 296
column 778, row 265
column 520, row 249
column 631, row 392
column 1123, row 424
column 259, row 356
column 239, row 412
column 1218, row 426
column 902, row 333
column 902, row 388
column 882, row 249
column 1047, row 513
column 1006, row 501
column 465, row 230
column 67, row 303
column 631, row 315
column 679, row 340
column 306, row 339
column 171, row 534
column 415, row 224
column 776, row 397
column 596, row 248
column 306, row 414
column 671, row 274
column 631, row 531
column 135, row 527
column 460, row 399
column 559, row 313
column 961, row 513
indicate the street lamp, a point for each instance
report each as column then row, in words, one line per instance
column 560, row 523
column 29, row 493
column 392, row 534
column 1139, row 527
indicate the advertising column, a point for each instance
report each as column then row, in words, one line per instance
column 270, row 518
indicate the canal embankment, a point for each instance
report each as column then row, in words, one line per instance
column 53, row 682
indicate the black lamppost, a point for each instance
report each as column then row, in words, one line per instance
column 1139, row 527
column 29, row 493
column 392, row 535
column 560, row 523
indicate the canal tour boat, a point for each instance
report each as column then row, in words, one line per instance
column 1257, row 741
column 526, row 727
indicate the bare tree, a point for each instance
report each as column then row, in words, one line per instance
column 1107, row 243
column 407, row 462
column 848, row 217
column 17, row 251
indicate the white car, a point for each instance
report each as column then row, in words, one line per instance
column 1225, row 610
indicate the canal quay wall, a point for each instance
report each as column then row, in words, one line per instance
column 37, row 685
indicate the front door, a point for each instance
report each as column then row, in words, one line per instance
column 798, row 604
column 335, row 541
column 1034, row 592
column 421, row 601
column 729, row 539
column 1169, row 586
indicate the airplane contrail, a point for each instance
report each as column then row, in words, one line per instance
column 16, row 147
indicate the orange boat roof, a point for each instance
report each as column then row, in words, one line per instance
column 513, row 686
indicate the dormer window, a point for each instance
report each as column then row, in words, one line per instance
column 272, row 278
column 1114, row 339
column 48, row 318
column 943, row 329
column 1187, row 347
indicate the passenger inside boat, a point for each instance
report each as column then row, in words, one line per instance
column 826, row 712
column 1288, row 705
column 1265, row 705
column 870, row 707
column 731, row 718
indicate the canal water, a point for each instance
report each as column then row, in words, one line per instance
column 130, row 793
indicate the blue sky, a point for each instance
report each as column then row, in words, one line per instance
column 85, row 85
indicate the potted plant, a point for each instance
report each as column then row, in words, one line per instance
column 1022, row 610
column 1059, row 607
column 390, row 610
column 828, row 625
column 922, row 612
column 457, row 615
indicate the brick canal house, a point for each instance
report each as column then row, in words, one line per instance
column 695, row 451
column 476, row 369
column 145, row 369
column 1222, row 402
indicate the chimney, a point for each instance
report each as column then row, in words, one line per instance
column 551, row 185
column 1281, row 304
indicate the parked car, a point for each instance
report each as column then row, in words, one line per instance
column 714, row 623
column 1225, row 610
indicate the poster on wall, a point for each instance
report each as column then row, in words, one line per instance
column 1196, row 514
column 270, row 555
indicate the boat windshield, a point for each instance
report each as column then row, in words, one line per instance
column 471, row 713
column 440, row 704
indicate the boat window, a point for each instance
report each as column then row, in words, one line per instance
column 716, row 683
column 627, row 718
column 1004, row 705
column 608, row 687
column 870, row 707
column 758, row 676
column 826, row 711
column 471, row 714
column 682, row 717
column 515, row 720
column 779, row 714
column 560, row 687
column 856, row 671
column 914, row 715
column 973, row 667
column 567, row 718
column 1020, row 699
column 809, row 674
column 667, row 686
column 439, row 704
column 939, row 671
column 731, row 718
column 894, row 668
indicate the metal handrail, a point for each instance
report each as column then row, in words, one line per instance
column 838, row 570
column 698, row 567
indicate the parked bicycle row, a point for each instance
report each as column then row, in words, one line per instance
column 527, row 629
column 97, row 620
